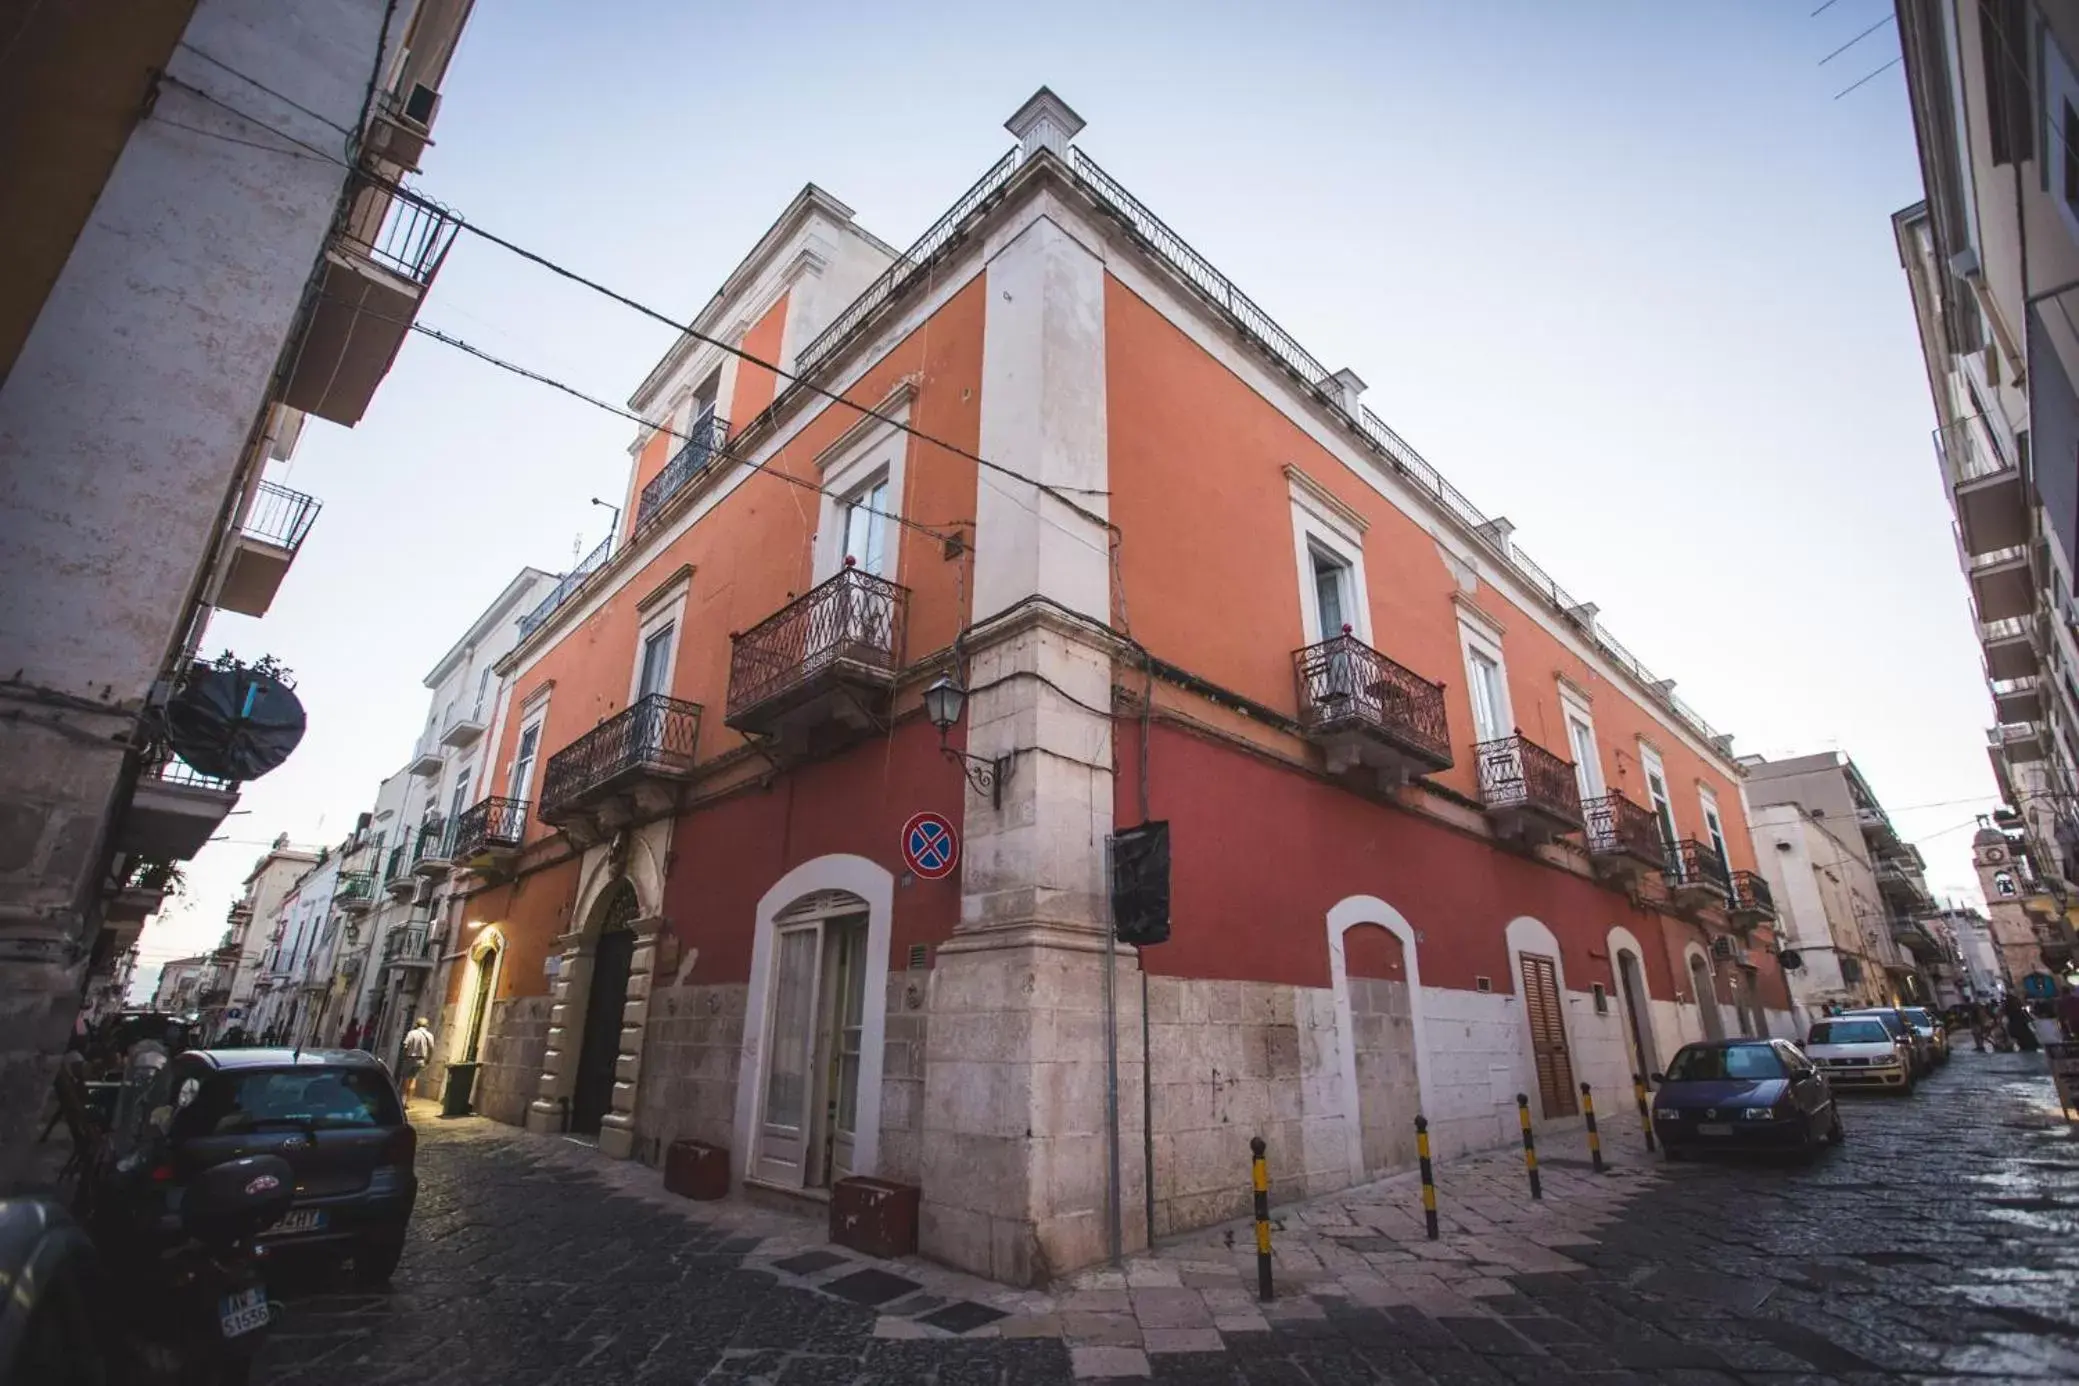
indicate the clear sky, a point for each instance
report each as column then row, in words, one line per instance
column 1622, row 271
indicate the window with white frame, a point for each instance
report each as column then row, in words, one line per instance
column 1332, row 606
column 1328, row 545
column 1486, row 682
column 1657, row 792
column 517, row 783
column 1713, row 827
column 861, row 515
column 865, row 523
column 653, row 675
column 1580, row 740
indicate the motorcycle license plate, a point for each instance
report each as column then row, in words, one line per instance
column 1714, row 1128
column 243, row 1312
column 303, row 1220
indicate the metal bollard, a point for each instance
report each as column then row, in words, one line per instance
column 1259, row 1175
column 1530, row 1146
column 1638, row 1088
column 1595, row 1142
column 1429, row 1178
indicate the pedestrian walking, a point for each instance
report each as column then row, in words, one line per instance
column 2020, row 1026
column 2068, row 1012
column 351, row 1039
column 418, row 1047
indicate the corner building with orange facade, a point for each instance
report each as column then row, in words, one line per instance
column 1436, row 838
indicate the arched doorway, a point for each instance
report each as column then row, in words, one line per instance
column 1706, row 989
column 809, row 1091
column 1638, row 1027
column 1382, row 1036
column 592, row 1096
column 482, row 988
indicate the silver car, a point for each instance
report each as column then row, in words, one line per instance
column 1860, row 1051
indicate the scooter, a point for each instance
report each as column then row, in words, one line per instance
column 198, row 1297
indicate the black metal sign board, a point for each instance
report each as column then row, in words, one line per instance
column 1140, row 884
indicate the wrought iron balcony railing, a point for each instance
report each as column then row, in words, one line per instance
column 353, row 890
column 1751, row 897
column 703, row 444
column 399, row 862
column 493, row 825
column 853, row 619
column 1617, row 827
column 404, row 945
column 654, row 735
column 165, row 767
column 566, row 586
column 406, row 234
column 279, row 516
column 431, row 842
column 1517, row 773
column 1345, row 684
column 1697, row 865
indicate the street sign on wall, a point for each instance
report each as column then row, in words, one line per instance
column 930, row 848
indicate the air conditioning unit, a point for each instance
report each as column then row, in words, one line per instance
column 423, row 893
column 1724, row 947
column 402, row 127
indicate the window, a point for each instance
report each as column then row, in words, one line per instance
column 1580, row 740
column 1657, row 791
column 2003, row 882
column 656, row 661
column 866, row 527
column 1331, row 593
column 458, row 803
column 523, row 760
column 322, row 1099
column 1716, row 1063
column 1484, row 683
column 483, row 691
column 2004, row 56
column 1712, row 827
column 1849, row 1032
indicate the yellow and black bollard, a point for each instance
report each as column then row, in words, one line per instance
column 1259, row 1175
column 1429, row 1177
column 1638, row 1087
column 1595, row 1142
column 1530, row 1146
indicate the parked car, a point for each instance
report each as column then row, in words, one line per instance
column 1743, row 1094
column 1931, row 1028
column 1860, row 1051
column 1896, row 1021
column 332, row 1114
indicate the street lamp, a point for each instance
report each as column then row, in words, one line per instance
column 610, row 506
column 943, row 702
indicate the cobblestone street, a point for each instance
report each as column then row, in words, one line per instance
column 1941, row 1243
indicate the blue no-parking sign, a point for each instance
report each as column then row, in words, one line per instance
column 930, row 848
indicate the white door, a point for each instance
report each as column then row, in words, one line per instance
column 1581, row 738
column 1484, row 677
column 846, row 969
column 786, row 1105
column 866, row 529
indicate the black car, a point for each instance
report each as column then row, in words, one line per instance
column 1743, row 1094
column 332, row 1114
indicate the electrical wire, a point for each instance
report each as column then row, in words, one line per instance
column 259, row 85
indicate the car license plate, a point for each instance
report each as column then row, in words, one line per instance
column 1714, row 1128
column 243, row 1312
column 302, row 1220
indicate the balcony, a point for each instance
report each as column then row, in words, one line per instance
column 2020, row 743
column 487, row 837
column 462, row 726
column 827, row 659
column 2018, row 700
column 397, row 877
column 1914, row 936
column 426, row 759
column 375, row 273
column 1623, row 838
column 354, row 892
column 627, row 769
column 430, row 853
column 2003, row 583
column 263, row 548
column 173, row 809
column 1696, row 876
column 1361, row 708
column 2010, row 648
column 406, row 948
column 1752, row 903
column 703, row 445
column 1901, row 885
column 566, row 587
column 1991, row 502
column 1530, row 793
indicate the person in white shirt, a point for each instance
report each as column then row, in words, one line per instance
column 418, row 1047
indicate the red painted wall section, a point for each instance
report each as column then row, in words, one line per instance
column 726, row 856
column 1370, row 950
column 1200, row 493
column 530, row 912
column 755, row 385
column 752, row 553
column 1259, row 855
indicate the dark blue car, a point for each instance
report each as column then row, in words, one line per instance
column 1743, row 1094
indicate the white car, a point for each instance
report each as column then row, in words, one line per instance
column 1859, row 1051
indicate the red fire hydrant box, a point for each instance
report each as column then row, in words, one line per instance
column 697, row 1170
column 876, row 1217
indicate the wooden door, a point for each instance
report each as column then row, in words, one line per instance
column 1541, row 1011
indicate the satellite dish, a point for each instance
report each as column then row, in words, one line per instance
column 1790, row 959
column 233, row 724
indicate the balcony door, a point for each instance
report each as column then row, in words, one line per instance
column 1490, row 708
column 809, row 1097
column 866, row 528
column 655, row 676
column 1657, row 791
